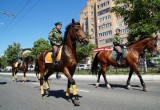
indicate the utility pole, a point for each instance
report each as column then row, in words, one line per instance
column 8, row 14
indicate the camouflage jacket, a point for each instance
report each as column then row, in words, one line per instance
column 117, row 40
column 55, row 37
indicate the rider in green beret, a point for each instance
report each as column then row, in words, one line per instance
column 117, row 42
column 55, row 37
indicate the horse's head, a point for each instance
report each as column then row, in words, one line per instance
column 152, row 46
column 78, row 33
column 29, row 60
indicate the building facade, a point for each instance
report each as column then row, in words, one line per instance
column 98, row 22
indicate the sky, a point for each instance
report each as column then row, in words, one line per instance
column 34, row 19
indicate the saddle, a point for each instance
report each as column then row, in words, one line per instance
column 17, row 64
column 124, row 52
column 48, row 57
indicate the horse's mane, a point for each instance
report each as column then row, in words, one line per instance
column 142, row 38
column 67, row 29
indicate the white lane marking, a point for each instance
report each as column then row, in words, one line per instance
column 82, row 90
column 35, row 83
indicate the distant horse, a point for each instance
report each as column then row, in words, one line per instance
column 105, row 59
column 67, row 63
column 36, row 69
column 23, row 67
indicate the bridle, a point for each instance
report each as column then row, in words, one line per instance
column 152, row 48
column 76, row 36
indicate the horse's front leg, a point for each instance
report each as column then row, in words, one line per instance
column 72, row 81
column 68, row 91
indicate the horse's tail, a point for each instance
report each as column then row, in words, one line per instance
column 94, row 67
column 36, row 68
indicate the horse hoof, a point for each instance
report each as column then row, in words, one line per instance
column 76, row 102
column 43, row 97
column 47, row 93
column 108, row 86
column 97, row 85
column 129, row 87
column 145, row 89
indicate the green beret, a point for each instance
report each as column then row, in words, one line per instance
column 118, row 29
column 58, row 23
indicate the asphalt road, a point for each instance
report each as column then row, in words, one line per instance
column 26, row 95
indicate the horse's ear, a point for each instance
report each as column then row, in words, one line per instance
column 156, row 38
column 73, row 21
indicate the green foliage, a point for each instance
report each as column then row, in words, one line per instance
column 142, row 16
column 84, row 51
column 40, row 46
column 12, row 52
column 3, row 62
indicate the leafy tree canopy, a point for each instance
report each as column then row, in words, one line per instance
column 141, row 16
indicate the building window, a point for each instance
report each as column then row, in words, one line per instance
column 104, row 18
column 105, row 26
column 121, row 23
column 103, row 11
column 107, row 33
column 86, row 14
column 91, row 7
column 102, row 41
column 92, row 19
column 125, row 31
column 109, row 40
column 91, row 13
column 103, row 4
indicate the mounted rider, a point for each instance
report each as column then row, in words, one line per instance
column 117, row 42
column 55, row 37
column 19, row 58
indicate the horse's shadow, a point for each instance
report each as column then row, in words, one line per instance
column 26, row 81
column 2, row 83
column 60, row 94
column 116, row 86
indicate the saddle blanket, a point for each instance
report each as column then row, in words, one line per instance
column 48, row 57
column 16, row 64
column 114, row 54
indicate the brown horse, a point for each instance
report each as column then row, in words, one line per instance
column 67, row 63
column 23, row 67
column 104, row 58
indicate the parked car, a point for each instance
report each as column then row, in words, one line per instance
column 84, row 67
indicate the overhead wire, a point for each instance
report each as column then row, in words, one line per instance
column 26, row 13
column 25, row 5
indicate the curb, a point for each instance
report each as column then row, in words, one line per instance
column 93, row 77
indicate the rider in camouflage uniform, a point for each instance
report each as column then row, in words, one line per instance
column 117, row 42
column 19, row 58
column 55, row 37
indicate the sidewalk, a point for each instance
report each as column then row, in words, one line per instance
column 93, row 77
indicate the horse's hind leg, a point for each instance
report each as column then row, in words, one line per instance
column 104, row 76
column 135, row 68
column 13, row 75
column 41, row 82
column 129, row 78
column 98, row 80
column 24, row 77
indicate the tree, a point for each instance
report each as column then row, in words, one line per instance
column 12, row 52
column 84, row 51
column 141, row 16
column 3, row 62
column 40, row 46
